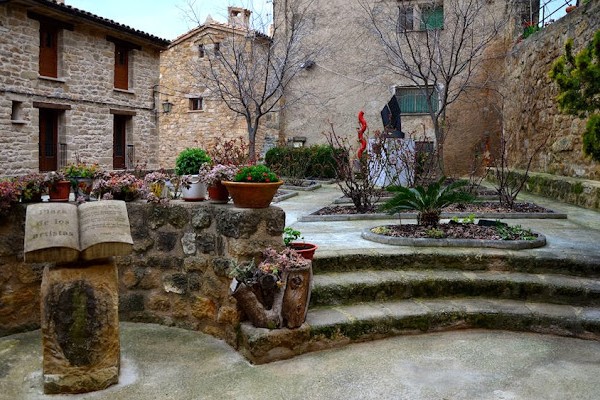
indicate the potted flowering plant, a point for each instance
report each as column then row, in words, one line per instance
column 212, row 177
column 31, row 186
column 276, row 292
column 117, row 185
column 156, row 186
column 81, row 176
column 254, row 186
column 9, row 194
column 59, row 188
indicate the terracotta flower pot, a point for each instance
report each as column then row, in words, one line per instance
column 306, row 250
column 218, row 193
column 60, row 191
column 252, row 194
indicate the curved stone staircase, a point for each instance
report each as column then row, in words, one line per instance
column 365, row 297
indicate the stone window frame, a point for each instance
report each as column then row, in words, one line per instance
column 126, row 47
column 48, row 24
column 196, row 103
column 17, row 111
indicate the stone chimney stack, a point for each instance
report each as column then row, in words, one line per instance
column 239, row 17
column 60, row 2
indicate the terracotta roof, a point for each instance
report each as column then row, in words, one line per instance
column 76, row 12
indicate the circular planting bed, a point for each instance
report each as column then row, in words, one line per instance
column 456, row 235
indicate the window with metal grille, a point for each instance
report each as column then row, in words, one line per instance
column 432, row 18
column 416, row 100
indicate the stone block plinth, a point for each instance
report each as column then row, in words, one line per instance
column 80, row 327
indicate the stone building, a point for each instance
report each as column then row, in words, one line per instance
column 74, row 85
column 353, row 72
column 189, row 70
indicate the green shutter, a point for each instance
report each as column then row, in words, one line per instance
column 432, row 18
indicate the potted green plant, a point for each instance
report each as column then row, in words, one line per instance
column 276, row 292
column 59, row 188
column 212, row 177
column 188, row 164
column 254, row 186
column 306, row 250
column 82, row 177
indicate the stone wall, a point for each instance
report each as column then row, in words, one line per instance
column 182, row 76
column 85, row 84
column 531, row 114
column 176, row 275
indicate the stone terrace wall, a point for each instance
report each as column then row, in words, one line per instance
column 531, row 114
column 176, row 276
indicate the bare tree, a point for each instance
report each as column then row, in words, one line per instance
column 252, row 62
column 435, row 46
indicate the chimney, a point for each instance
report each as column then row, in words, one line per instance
column 60, row 2
column 239, row 17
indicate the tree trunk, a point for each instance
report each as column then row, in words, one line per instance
column 290, row 300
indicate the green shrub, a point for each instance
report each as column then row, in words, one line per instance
column 315, row 161
column 190, row 160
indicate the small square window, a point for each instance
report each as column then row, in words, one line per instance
column 201, row 51
column 432, row 18
column 196, row 103
column 217, row 48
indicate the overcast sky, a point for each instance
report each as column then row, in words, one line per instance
column 165, row 18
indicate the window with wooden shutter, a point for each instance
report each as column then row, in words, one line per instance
column 121, row 67
column 120, row 140
column 416, row 100
column 48, row 51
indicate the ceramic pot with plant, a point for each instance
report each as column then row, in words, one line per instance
column 276, row 292
column 82, row 177
column 188, row 164
column 254, row 186
column 306, row 250
column 156, row 186
column 117, row 185
column 59, row 188
column 212, row 177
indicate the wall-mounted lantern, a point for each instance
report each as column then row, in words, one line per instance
column 167, row 106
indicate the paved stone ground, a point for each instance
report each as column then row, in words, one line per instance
column 167, row 363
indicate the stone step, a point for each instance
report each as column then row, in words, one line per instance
column 460, row 259
column 329, row 327
column 369, row 285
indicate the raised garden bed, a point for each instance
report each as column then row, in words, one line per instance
column 305, row 185
column 491, row 210
column 282, row 195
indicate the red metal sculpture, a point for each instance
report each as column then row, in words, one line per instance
column 361, row 131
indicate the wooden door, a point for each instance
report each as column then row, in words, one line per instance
column 48, row 51
column 121, row 67
column 119, row 146
column 48, row 139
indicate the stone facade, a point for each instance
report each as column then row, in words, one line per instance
column 531, row 114
column 351, row 73
column 177, row 274
column 182, row 70
column 83, row 94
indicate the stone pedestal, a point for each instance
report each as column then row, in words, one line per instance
column 80, row 327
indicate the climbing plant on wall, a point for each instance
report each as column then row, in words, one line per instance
column 578, row 79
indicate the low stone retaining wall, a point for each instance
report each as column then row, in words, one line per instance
column 176, row 276
column 580, row 192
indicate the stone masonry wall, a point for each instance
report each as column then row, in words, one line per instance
column 180, row 80
column 85, row 83
column 176, row 275
column 531, row 114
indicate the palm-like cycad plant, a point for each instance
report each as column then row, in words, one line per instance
column 428, row 202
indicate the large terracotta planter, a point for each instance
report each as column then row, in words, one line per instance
column 60, row 191
column 252, row 194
